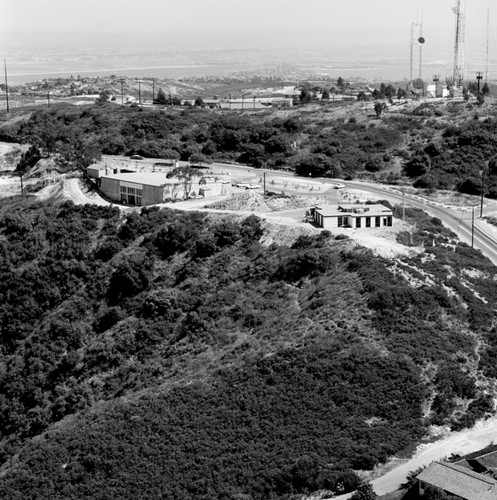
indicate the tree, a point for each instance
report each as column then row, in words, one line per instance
column 485, row 90
column 315, row 165
column 186, row 175
column 161, row 97
column 361, row 96
column 377, row 94
column 373, row 165
column 198, row 159
column 401, row 93
column 364, row 492
column 341, row 84
column 389, row 91
column 305, row 95
column 103, row 97
column 480, row 99
column 379, row 107
column 199, row 101
column 325, row 95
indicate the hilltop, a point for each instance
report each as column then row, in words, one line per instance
column 204, row 354
column 177, row 339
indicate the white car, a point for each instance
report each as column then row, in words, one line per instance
column 338, row 186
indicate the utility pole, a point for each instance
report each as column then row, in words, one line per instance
column 488, row 26
column 436, row 79
column 264, row 183
column 139, row 92
column 479, row 76
column 153, row 92
column 48, row 98
column 482, row 191
column 122, row 91
column 473, row 228
column 6, row 85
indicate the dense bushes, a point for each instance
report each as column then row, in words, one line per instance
column 243, row 369
column 294, row 422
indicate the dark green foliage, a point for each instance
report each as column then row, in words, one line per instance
column 222, row 367
column 364, row 492
column 80, row 135
column 458, row 160
column 253, row 431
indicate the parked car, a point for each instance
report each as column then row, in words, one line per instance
column 137, row 157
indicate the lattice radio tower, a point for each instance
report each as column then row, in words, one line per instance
column 460, row 12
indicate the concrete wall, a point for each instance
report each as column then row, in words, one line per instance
column 152, row 195
column 110, row 187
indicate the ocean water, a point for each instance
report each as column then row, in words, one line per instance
column 377, row 65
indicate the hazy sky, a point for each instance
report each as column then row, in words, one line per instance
column 239, row 23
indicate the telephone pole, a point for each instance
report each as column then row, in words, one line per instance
column 6, row 85
column 479, row 76
column 473, row 228
column 122, row 91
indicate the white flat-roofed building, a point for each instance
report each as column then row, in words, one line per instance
column 148, row 188
column 352, row 215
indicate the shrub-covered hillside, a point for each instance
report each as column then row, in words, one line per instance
column 435, row 146
column 164, row 354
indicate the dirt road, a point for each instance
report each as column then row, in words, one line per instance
column 462, row 442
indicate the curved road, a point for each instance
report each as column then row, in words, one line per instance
column 459, row 221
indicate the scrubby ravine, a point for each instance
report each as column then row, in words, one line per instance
column 170, row 354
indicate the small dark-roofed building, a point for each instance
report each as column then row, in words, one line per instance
column 457, row 480
column 352, row 215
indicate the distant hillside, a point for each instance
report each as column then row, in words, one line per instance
column 170, row 355
column 447, row 144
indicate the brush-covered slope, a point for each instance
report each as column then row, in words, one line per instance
column 170, row 355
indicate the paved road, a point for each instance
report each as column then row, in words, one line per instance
column 459, row 221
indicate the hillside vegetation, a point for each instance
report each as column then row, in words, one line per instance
column 170, row 355
column 442, row 145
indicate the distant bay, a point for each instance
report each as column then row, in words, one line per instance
column 28, row 64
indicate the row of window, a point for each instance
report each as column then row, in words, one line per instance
column 131, row 196
column 130, row 190
column 343, row 221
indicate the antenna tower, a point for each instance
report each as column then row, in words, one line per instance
column 419, row 40
column 488, row 33
column 460, row 12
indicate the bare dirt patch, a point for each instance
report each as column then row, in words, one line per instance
column 255, row 202
column 383, row 241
